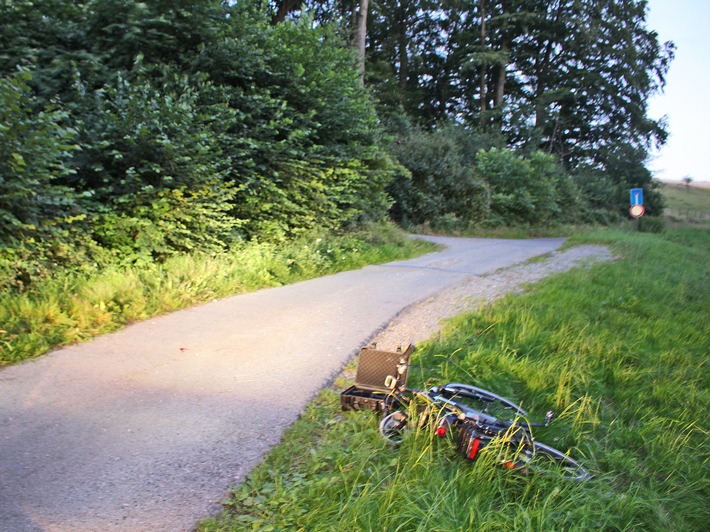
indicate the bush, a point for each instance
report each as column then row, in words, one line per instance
column 304, row 146
column 529, row 190
column 442, row 189
column 35, row 145
column 154, row 168
column 452, row 187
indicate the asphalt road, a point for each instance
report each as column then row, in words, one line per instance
column 146, row 428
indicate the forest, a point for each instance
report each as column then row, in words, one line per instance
column 132, row 131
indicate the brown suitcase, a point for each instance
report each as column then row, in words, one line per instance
column 374, row 366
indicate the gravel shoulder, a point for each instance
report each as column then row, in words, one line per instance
column 424, row 320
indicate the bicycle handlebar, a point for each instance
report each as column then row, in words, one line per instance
column 437, row 395
column 447, row 394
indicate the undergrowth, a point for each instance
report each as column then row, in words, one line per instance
column 72, row 307
column 619, row 350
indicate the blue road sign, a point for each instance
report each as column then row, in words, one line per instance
column 636, row 196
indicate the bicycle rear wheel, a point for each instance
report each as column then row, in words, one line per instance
column 521, row 453
column 541, row 458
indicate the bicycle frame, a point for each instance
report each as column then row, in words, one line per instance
column 476, row 427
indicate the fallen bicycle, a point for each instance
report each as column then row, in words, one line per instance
column 480, row 416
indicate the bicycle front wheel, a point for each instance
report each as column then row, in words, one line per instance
column 393, row 427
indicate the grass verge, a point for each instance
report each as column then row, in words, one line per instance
column 619, row 350
column 71, row 308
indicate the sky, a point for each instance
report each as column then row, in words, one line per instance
column 686, row 98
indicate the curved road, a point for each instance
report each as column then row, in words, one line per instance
column 145, row 429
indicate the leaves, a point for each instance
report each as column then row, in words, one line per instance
column 569, row 77
column 181, row 128
column 35, row 147
column 140, row 129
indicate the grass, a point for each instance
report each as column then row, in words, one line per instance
column 71, row 308
column 619, row 350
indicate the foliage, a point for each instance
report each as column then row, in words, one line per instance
column 306, row 148
column 74, row 306
column 154, row 170
column 443, row 189
column 42, row 224
column 149, row 128
column 460, row 179
column 625, row 165
column 571, row 78
column 195, row 126
column 528, row 190
column 614, row 348
column 35, row 145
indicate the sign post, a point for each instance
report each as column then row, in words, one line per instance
column 636, row 197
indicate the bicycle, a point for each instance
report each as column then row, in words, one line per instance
column 451, row 406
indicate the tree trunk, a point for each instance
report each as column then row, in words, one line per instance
column 541, row 72
column 500, row 82
column 361, row 37
column 483, row 82
column 284, row 8
column 503, row 65
column 402, row 52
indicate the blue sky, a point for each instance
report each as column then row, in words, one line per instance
column 686, row 100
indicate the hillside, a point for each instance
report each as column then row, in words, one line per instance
column 687, row 203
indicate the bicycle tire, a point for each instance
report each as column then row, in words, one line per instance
column 529, row 456
column 539, row 457
column 394, row 426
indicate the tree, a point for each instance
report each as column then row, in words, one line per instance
column 569, row 76
column 532, row 189
column 328, row 11
column 397, row 31
column 180, row 105
column 586, row 70
column 361, row 36
column 443, row 188
column 305, row 146
column 35, row 148
column 281, row 9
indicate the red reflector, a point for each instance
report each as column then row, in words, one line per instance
column 441, row 431
column 474, row 448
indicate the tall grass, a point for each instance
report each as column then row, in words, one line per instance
column 72, row 308
column 620, row 351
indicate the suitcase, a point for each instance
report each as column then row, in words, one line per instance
column 370, row 391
